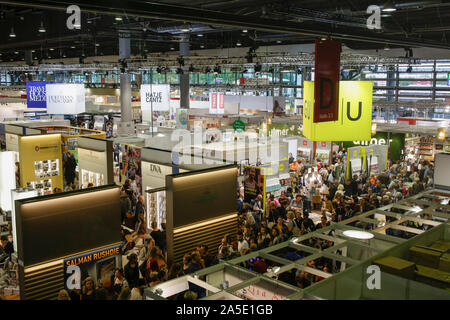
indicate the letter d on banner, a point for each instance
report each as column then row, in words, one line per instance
column 326, row 80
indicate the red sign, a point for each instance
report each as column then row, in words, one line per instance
column 324, row 144
column 213, row 103
column 326, row 80
column 305, row 143
column 221, row 104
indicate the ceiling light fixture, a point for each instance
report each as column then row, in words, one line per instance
column 238, row 43
column 118, row 18
column 245, row 31
column 41, row 28
column 51, row 49
column 72, row 47
column 185, row 27
column 279, row 41
column 387, row 47
column 172, row 48
column 388, row 6
column 16, row 52
column 202, row 46
column 97, row 44
column 200, row 35
column 12, row 34
column 360, row 235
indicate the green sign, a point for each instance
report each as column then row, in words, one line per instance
column 239, row 125
column 282, row 129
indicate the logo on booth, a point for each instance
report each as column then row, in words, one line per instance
column 305, row 143
column 155, row 168
column 324, row 144
column 36, row 148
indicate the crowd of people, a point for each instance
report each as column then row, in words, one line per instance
column 263, row 221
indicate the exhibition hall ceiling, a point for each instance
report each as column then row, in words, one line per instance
column 160, row 26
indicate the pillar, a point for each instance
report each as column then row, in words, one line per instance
column 184, row 78
column 126, row 125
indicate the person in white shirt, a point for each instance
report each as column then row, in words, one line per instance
column 242, row 243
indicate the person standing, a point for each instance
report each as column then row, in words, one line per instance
column 125, row 203
column 131, row 271
column 157, row 235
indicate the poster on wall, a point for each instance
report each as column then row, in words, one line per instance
column 155, row 97
column 156, row 207
column 253, row 183
column 36, row 94
column 99, row 265
column 131, row 168
column 65, row 98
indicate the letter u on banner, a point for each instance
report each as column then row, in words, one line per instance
column 326, row 80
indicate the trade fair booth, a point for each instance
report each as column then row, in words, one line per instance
column 70, row 222
column 40, row 159
column 95, row 162
column 371, row 160
column 201, row 208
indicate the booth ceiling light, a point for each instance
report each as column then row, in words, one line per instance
column 12, row 34
column 41, row 28
column 388, row 6
column 360, row 235
column 185, row 27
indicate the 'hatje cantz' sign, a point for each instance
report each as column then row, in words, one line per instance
column 155, row 97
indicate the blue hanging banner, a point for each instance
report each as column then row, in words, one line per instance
column 36, row 97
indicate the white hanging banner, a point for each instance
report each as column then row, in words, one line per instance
column 65, row 98
column 155, row 97
column 213, row 102
column 221, row 103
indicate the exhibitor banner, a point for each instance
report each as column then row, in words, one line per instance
column 355, row 113
column 155, row 97
column 65, row 98
column 36, row 97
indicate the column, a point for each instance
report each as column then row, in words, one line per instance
column 126, row 125
column 184, row 78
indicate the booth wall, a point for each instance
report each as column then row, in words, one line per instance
column 39, row 148
column 201, row 208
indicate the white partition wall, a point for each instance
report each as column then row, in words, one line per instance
column 8, row 178
column 95, row 163
column 18, row 194
column 441, row 171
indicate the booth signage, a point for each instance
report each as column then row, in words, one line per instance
column 36, row 97
column 239, row 125
column 98, row 264
column 213, row 102
column 220, row 103
column 65, row 98
column 326, row 77
column 355, row 113
column 12, row 142
column 155, row 97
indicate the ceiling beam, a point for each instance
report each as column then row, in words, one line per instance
column 194, row 15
